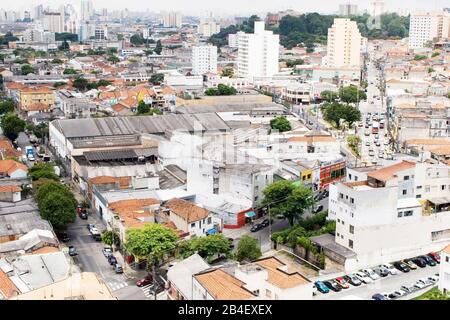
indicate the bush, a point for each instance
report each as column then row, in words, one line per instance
column 281, row 124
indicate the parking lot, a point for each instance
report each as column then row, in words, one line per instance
column 386, row 284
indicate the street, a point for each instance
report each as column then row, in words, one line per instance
column 384, row 285
column 91, row 259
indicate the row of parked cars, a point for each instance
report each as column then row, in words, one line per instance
column 112, row 260
column 405, row 290
column 262, row 225
column 369, row 275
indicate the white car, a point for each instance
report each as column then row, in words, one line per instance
column 94, row 230
column 419, row 285
column 434, row 279
column 426, row 281
column 371, row 274
column 363, row 277
column 391, row 268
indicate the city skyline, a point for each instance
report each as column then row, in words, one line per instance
column 234, row 6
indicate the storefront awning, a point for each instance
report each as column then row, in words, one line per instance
column 250, row 214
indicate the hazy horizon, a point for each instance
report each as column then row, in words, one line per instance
column 199, row 7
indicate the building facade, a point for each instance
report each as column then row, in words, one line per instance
column 344, row 44
column 429, row 26
column 204, row 60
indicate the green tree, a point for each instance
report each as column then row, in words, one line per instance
column 64, row 46
column 114, row 59
column 27, row 69
column 351, row 94
column 334, row 112
column 209, row 247
column 156, row 78
column 12, row 125
column 70, row 71
column 137, row 40
column 353, row 142
column 418, row 57
column 221, row 90
column 80, row 83
column 293, row 63
column 59, row 84
column 228, row 72
column 248, row 249
column 110, row 237
column 329, row 96
column 435, row 54
column 151, row 242
column 142, row 108
column 58, row 209
column 7, row 106
column 158, row 48
column 288, row 200
column 57, row 61
column 42, row 170
column 46, row 186
column 281, row 124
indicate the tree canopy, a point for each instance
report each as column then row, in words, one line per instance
column 151, row 242
column 12, row 125
column 221, row 90
column 281, row 124
column 156, row 78
column 137, row 40
column 351, row 94
column 70, row 71
column 334, row 112
column 209, row 247
column 27, row 69
column 228, row 72
column 287, row 199
column 42, row 170
column 248, row 249
column 7, row 106
column 56, row 203
column 158, row 48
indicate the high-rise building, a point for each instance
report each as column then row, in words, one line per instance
column 428, row 26
column 208, row 28
column 344, row 44
column 258, row 52
column 171, row 19
column 38, row 12
column 101, row 33
column 204, row 59
column 348, row 9
column 53, row 21
column 378, row 8
column 87, row 10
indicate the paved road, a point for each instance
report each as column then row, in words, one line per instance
column 383, row 285
column 90, row 258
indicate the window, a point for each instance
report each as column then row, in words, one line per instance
column 418, row 196
column 350, row 243
column 193, row 225
column 400, row 214
column 209, row 220
column 405, row 192
column 406, row 178
column 339, row 220
column 352, row 200
column 443, row 187
column 350, row 176
column 446, row 259
column 407, row 213
column 341, row 195
column 351, row 229
column 419, row 187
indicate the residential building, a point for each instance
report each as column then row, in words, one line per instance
column 348, row 9
column 36, row 99
column 172, row 19
column 189, row 218
column 204, row 60
column 12, row 169
column 444, row 271
column 258, row 53
column 233, row 39
column 208, row 28
column 412, row 219
column 344, row 44
column 428, row 26
column 53, row 22
column 87, row 10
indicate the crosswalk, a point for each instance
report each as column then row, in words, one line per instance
column 117, row 285
column 146, row 290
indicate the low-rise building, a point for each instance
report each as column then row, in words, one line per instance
column 444, row 271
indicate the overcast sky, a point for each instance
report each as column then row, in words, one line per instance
column 231, row 6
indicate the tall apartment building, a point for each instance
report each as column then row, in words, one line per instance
column 428, row 26
column 344, row 44
column 53, row 21
column 172, row 19
column 208, row 28
column 87, row 10
column 348, row 9
column 413, row 217
column 258, row 52
column 204, row 59
column 378, row 8
column 36, row 35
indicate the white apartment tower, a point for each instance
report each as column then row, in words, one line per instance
column 344, row 44
column 348, row 9
column 208, row 28
column 53, row 21
column 87, row 10
column 378, row 8
column 258, row 53
column 172, row 19
column 204, row 59
column 428, row 26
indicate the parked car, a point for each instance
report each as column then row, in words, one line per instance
column 63, row 236
column 333, row 285
column 381, row 271
column 118, row 268
column 371, row 274
column 419, row 285
column 426, row 281
column 353, row 280
column 363, row 277
column 410, row 264
column 107, row 252
column 265, row 222
column 396, row 294
column 429, row 261
column 342, row 282
column 434, row 279
column 83, row 215
column 145, row 281
column 256, row 227
column 112, row 260
column 435, row 256
column 90, row 226
column 420, row 262
column 318, row 209
column 379, row 296
column 402, row 266
column 72, row 251
column 407, row 289
column 321, row 287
